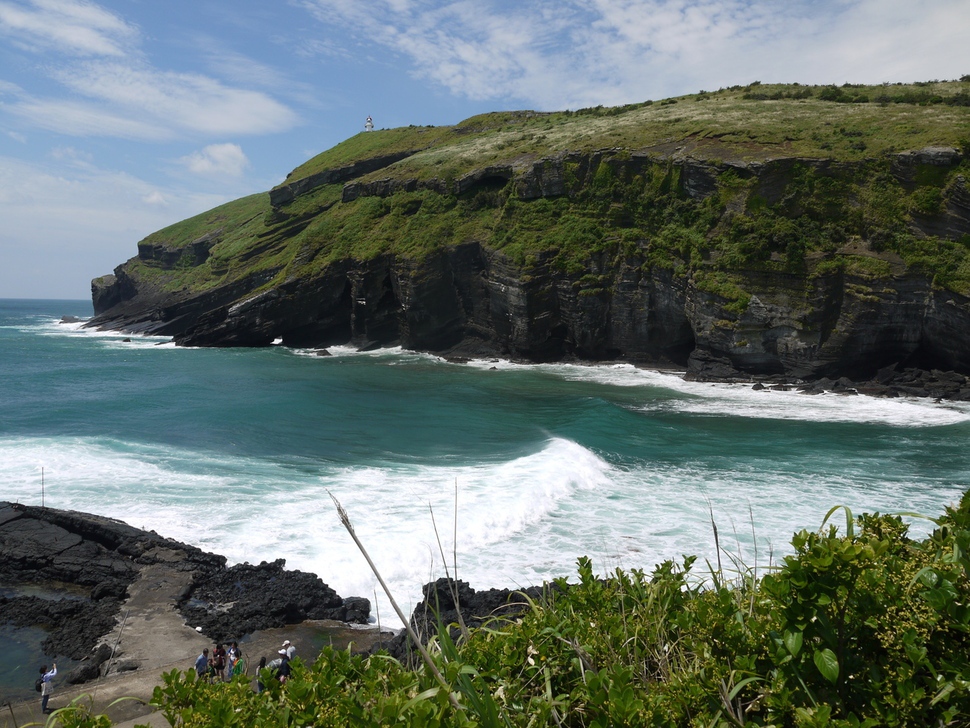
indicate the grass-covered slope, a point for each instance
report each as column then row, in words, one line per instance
column 623, row 188
column 752, row 122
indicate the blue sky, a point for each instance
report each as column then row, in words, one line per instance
column 119, row 117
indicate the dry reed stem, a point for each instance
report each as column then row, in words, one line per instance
column 345, row 520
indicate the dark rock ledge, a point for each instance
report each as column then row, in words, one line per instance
column 890, row 381
column 88, row 562
column 444, row 599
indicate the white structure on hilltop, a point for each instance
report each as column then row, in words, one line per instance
column 369, row 124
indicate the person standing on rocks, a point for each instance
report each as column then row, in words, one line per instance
column 290, row 649
column 232, row 654
column 237, row 666
column 46, row 686
column 283, row 671
column 219, row 661
column 259, row 673
column 202, row 663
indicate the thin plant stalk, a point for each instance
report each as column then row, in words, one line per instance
column 345, row 520
column 754, row 580
column 454, row 535
column 452, row 583
column 380, row 633
column 717, row 542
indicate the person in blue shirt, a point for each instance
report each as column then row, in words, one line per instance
column 202, row 663
column 46, row 687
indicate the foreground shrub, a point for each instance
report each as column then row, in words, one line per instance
column 859, row 626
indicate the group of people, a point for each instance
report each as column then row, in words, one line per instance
column 222, row 664
column 282, row 663
column 225, row 664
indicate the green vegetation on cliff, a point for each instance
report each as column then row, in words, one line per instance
column 749, row 122
column 790, row 178
column 862, row 626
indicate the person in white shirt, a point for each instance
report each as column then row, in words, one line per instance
column 46, row 687
column 290, row 649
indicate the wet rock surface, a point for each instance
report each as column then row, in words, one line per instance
column 84, row 565
column 890, row 381
column 72, row 625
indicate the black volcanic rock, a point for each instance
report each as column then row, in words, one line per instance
column 439, row 606
column 73, row 626
column 40, row 545
column 245, row 598
column 90, row 669
column 90, row 562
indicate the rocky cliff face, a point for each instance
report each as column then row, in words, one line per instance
column 848, row 312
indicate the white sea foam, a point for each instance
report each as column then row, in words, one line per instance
column 55, row 327
column 393, row 355
column 740, row 400
column 519, row 521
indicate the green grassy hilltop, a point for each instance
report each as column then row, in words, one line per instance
column 608, row 209
column 643, row 232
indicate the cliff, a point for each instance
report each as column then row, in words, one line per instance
column 800, row 231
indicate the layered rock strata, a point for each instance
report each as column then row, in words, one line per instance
column 467, row 299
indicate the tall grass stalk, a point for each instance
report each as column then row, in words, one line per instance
column 452, row 582
column 426, row 658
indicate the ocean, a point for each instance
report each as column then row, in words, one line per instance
column 508, row 471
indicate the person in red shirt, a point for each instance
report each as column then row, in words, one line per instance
column 219, row 661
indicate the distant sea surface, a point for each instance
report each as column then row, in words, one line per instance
column 235, row 451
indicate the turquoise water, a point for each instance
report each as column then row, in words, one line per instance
column 235, row 451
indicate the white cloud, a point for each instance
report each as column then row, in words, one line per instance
column 143, row 103
column 71, row 224
column 217, row 160
column 82, row 119
column 72, row 156
column 189, row 101
column 114, row 92
column 569, row 53
column 243, row 69
column 70, row 26
column 10, row 88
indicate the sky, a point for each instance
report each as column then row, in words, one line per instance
column 120, row 117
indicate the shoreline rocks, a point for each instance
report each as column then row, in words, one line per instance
column 443, row 600
column 889, row 382
column 86, row 564
column 245, row 598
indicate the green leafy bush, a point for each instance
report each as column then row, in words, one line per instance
column 859, row 626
